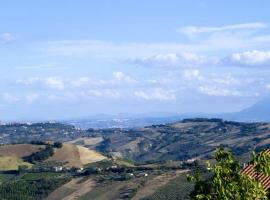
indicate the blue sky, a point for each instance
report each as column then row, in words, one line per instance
column 68, row 59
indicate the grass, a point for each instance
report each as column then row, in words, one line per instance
column 40, row 175
column 6, row 177
column 178, row 188
column 12, row 163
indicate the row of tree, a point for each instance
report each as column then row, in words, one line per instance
column 43, row 154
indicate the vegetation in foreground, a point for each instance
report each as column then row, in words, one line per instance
column 227, row 180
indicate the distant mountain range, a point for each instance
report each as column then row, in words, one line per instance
column 259, row 112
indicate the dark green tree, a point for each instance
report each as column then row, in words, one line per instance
column 227, row 182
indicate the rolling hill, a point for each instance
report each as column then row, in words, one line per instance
column 70, row 155
column 75, row 155
column 182, row 140
column 186, row 139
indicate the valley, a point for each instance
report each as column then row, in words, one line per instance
column 140, row 163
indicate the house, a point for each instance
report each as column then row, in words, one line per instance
column 79, row 170
column 142, row 174
column 250, row 171
column 58, row 169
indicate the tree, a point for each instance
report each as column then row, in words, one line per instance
column 58, row 145
column 227, row 182
column 262, row 162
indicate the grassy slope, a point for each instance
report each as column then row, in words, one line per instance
column 75, row 156
column 19, row 150
column 112, row 190
column 71, row 190
column 178, row 188
column 155, row 183
column 12, row 163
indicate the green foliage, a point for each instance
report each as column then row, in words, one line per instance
column 261, row 162
column 227, row 182
column 29, row 190
column 40, row 155
column 6, row 177
column 40, row 175
column 58, row 145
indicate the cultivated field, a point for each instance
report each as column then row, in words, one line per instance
column 12, row 163
column 19, row 150
column 75, row 156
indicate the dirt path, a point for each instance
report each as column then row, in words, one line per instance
column 151, row 186
column 72, row 190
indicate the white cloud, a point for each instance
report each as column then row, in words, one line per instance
column 248, row 58
column 243, row 37
column 120, row 76
column 7, row 38
column 193, row 30
column 10, row 98
column 216, row 91
column 192, row 74
column 225, row 80
column 160, row 81
column 61, row 83
column 82, row 81
column 156, row 94
column 50, row 82
column 107, row 93
column 31, row 97
column 54, row 83
column 181, row 60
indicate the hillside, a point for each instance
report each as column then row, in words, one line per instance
column 258, row 112
column 185, row 139
column 189, row 138
column 149, row 178
column 75, row 155
column 19, row 150
column 12, row 163
column 11, row 155
column 70, row 155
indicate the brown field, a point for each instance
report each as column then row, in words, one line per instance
column 76, row 156
column 87, row 141
column 113, row 190
column 72, row 190
column 123, row 189
column 19, row 150
column 153, row 184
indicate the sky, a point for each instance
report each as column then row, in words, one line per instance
column 77, row 58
